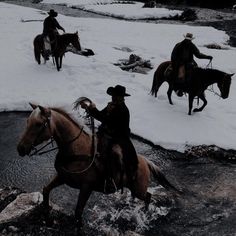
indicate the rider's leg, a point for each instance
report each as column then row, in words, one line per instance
column 47, row 47
column 181, row 80
column 105, row 144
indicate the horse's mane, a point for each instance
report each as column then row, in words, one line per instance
column 209, row 70
column 208, row 73
column 66, row 115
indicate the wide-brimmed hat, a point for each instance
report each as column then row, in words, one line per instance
column 52, row 13
column 189, row 36
column 118, row 90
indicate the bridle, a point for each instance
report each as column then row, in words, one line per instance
column 222, row 86
column 39, row 151
column 46, row 125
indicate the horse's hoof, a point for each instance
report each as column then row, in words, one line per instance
column 196, row 110
column 147, row 200
column 79, row 224
column 79, row 232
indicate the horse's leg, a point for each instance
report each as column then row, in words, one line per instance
column 56, row 181
column 203, row 98
column 37, row 54
column 190, row 103
column 85, row 192
column 141, row 183
column 61, row 61
column 169, row 92
column 57, row 63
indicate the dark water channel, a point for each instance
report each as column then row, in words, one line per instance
column 207, row 207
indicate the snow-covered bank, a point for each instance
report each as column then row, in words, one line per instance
column 22, row 80
column 117, row 9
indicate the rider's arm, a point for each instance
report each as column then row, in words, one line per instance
column 198, row 54
column 95, row 113
column 58, row 25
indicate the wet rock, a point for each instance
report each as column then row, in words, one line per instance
column 188, row 15
column 13, row 229
column 23, row 205
column 7, row 195
column 212, row 152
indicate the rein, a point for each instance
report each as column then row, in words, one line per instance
column 209, row 65
column 45, row 125
column 93, row 152
column 93, row 148
column 212, row 88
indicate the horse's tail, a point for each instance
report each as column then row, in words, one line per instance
column 159, row 77
column 154, row 84
column 37, row 48
column 159, row 176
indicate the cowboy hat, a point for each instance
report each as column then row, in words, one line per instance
column 189, row 36
column 118, row 90
column 52, row 13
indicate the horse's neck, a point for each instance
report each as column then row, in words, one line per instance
column 69, row 137
column 208, row 76
column 64, row 40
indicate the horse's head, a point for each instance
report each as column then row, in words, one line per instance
column 224, row 85
column 75, row 41
column 37, row 130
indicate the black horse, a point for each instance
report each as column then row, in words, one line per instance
column 198, row 82
column 58, row 47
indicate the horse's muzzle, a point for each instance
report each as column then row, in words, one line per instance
column 22, row 151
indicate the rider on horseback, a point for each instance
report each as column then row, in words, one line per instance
column 50, row 26
column 114, row 129
column 182, row 60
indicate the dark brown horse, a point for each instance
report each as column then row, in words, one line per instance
column 76, row 165
column 198, row 82
column 58, row 47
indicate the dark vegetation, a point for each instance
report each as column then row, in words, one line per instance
column 199, row 3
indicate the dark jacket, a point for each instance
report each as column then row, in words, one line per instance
column 114, row 120
column 183, row 53
column 50, row 25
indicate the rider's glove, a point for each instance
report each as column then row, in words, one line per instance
column 210, row 58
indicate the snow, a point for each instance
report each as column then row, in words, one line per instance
column 22, row 80
column 114, row 8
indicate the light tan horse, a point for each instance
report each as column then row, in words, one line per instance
column 75, row 163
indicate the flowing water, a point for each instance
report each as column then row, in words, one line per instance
column 208, row 203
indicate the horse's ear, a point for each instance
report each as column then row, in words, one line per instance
column 77, row 32
column 45, row 111
column 33, row 105
column 231, row 74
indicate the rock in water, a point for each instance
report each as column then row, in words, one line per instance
column 23, row 205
